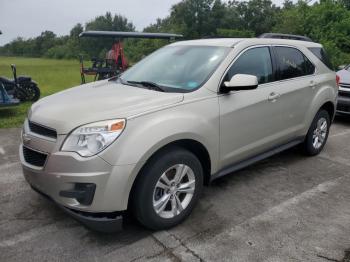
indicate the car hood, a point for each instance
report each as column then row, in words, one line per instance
column 97, row 101
column 344, row 76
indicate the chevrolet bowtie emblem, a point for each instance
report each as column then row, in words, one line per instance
column 25, row 138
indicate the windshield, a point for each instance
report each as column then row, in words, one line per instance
column 177, row 68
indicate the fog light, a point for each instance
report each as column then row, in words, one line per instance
column 82, row 192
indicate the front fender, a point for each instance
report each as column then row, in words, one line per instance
column 146, row 134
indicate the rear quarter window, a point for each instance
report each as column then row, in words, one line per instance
column 321, row 54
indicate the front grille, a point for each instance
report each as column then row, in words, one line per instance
column 42, row 130
column 34, row 158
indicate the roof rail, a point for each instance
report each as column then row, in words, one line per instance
column 217, row 36
column 286, row 36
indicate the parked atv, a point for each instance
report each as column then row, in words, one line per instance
column 22, row 87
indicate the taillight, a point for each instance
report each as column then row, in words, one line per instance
column 337, row 80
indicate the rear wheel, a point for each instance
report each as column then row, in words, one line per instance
column 168, row 189
column 318, row 133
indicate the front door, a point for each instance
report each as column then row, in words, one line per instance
column 250, row 121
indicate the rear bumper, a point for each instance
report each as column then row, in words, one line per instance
column 101, row 222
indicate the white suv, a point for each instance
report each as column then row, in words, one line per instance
column 188, row 113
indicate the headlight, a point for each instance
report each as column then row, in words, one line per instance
column 88, row 140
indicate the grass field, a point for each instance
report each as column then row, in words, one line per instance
column 51, row 75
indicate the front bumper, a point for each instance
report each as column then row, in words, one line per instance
column 88, row 188
column 101, row 222
column 64, row 170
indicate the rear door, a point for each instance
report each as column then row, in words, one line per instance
column 296, row 85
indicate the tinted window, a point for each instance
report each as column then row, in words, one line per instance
column 322, row 55
column 256, row 61
column 292, row 63
column 309, row 67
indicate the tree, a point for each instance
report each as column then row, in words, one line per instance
column 197, row 18
column 258, row 16
column 288, row 4
column 345, row 3
column 93, row 46
column 76, row 30
column 44, row 42
column 292, row 20
column 327, row 22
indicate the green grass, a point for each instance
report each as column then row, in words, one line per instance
column 51, row 75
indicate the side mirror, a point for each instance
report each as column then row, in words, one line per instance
column 240, row 82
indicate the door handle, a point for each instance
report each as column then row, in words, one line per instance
column 273, row 97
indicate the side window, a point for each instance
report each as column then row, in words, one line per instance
column 255, row 61
column 292, row 63
column 309, row 67
column 322, row 55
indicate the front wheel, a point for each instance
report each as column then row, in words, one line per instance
column 167, row 189
column 318, row 133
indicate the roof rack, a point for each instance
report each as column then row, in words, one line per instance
column 116, row 34
column 286, row 36
column 217, row 36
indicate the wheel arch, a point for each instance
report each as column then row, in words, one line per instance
column 325, row 98
column 194, row 146
column 330, row 108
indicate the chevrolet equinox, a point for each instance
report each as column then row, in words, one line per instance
column 148, row 140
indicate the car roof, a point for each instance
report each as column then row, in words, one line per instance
column 231, row 42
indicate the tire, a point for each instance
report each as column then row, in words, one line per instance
column 33, row 92
column 20, row 94
column 28, row 92
column 317, row 135
column 151, row 188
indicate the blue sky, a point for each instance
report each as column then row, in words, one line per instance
column 28, row 18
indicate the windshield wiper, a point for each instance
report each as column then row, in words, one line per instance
column 114, row 78
column 148, row 84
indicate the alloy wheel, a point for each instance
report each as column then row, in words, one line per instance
column 173, row 191
column 320, row 133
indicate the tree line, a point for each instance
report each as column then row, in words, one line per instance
column 326, row 22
